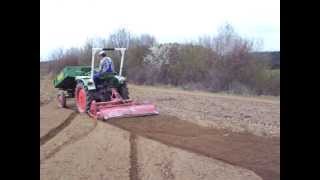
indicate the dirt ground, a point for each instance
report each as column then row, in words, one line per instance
column 159, row 161
column 256, row 153
column 196, row 136
column 256, row 115
column 88, row 149
column 47, row 92
column 52, row 117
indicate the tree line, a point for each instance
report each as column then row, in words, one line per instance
column 225, row 62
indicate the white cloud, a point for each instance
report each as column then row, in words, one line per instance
column 65, row 23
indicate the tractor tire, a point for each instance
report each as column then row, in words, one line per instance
column 61, row 97
column 83, row 98
column 124, row 91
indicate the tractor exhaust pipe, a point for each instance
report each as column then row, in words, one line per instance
column 122, row 50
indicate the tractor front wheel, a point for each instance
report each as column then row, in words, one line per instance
column 82, row 98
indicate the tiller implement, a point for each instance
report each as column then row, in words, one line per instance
column 119, row 107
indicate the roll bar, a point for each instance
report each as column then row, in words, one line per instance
column 94, row 51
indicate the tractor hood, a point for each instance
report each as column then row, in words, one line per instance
column 87, row 81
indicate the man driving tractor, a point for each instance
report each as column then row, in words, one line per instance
column 106, row 67
column 107, row 99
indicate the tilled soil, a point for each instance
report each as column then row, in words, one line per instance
column 86, row 150
column 158, row 161
column 89, row 149
column 47, row 91
column 52, row 119
column 78, row 128
column 256, row 115
column 169, row 146
column 259, row 154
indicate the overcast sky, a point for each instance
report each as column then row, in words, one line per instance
column 66, row 23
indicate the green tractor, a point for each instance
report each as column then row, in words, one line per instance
column 108, row 99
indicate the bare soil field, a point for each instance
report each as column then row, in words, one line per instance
column 196, row 136
column 160, row 161
column 88, row 149
column 256, row 153
column 52, row 117
column 257, row 115
column 47, row 92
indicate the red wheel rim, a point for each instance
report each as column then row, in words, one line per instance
column 81, row 100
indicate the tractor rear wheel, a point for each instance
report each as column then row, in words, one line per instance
column 83, row 98
column 61, row 97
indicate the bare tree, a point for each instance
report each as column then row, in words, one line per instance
column 147, row 40
column 120, row 38
column 205, row 41
column 56, row 54
column 224, row 42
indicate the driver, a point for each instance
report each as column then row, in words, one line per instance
column 106, row 66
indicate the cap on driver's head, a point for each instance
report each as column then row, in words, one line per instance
column 102, row 53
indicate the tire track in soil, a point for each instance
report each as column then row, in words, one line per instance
column 133, row 171
column 69, row 142
column 225, row 146
column 52, row 133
